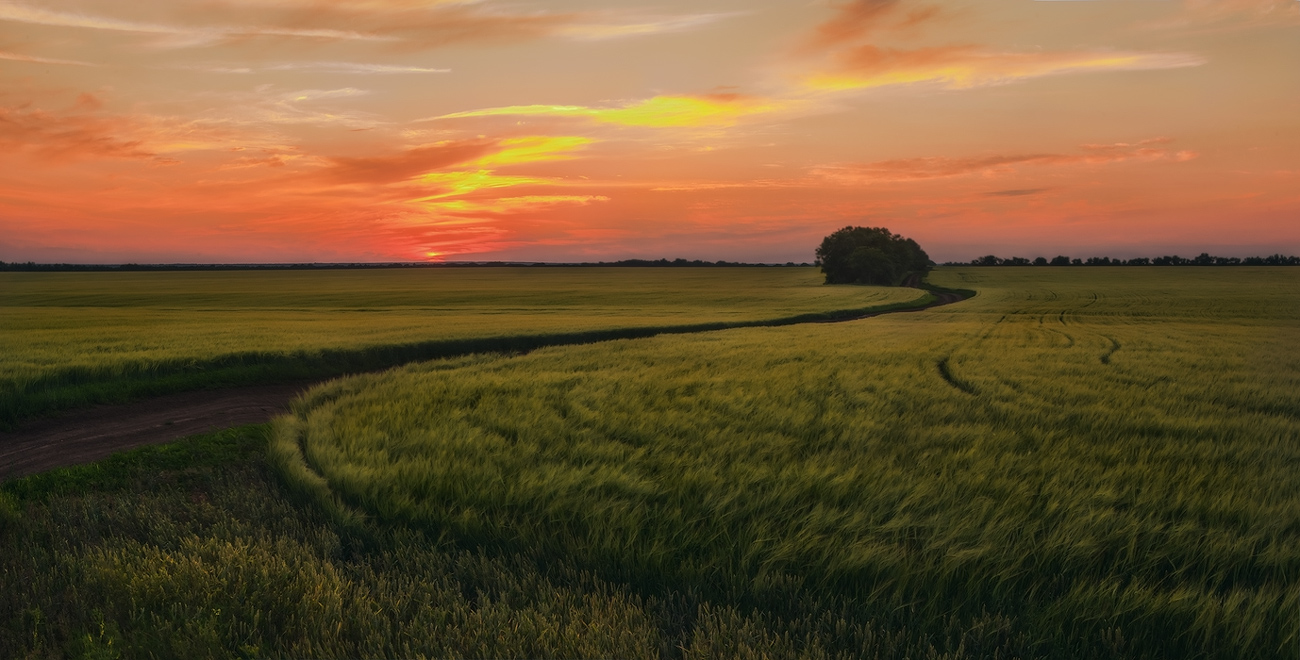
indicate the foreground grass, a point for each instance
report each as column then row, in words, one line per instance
column 71, row 339
column 1074, row 464
column 194, row 550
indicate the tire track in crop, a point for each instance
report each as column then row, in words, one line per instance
column 944, row 364
column 945, row 372
column 88, row 435
column 1114, row 346
column 1069, row 340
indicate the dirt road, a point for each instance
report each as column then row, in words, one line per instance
column 87, row 435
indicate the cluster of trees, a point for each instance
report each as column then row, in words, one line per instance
column 870, row 255
column 1205, row 259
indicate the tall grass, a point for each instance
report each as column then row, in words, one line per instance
column 1082, row 463
column 194, row 550
column 71, row 339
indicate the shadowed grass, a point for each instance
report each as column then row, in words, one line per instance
column 194, row 550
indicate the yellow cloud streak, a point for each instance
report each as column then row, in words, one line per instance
column 656, row 112
column 480, row 174
column 503, row 204
column 534, row 149
column 460, row 183
column 982, row 69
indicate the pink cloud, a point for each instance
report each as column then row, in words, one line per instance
column 409, row 163
column 965, row 66
column 856, row 19
column 917, row 169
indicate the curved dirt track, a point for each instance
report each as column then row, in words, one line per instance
column 88, row 435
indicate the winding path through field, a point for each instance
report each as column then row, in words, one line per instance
column 90, row 434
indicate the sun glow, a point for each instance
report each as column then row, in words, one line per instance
column 241, row 131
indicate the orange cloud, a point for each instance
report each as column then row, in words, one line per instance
column 84, row 132
column 478, row 210
column 19, row 57
column 855, row 19
column 917, row 169
column 69, row 136
column 412, row 162
column 706, row 110
column 961, row 67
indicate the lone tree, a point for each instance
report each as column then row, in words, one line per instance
column 870, row 255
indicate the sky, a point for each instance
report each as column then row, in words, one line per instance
column 167, row 131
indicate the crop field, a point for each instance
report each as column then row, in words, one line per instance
column 1076, row 463
column 68, row 339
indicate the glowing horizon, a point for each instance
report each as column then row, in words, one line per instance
column 391, row 130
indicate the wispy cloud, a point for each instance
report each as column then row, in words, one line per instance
column 856, row 19
column 1017, row 192
column 1218, row 15
column 448, row 174
column 631, row 26
column 962, row 67
column 316, row 67
column 177, row 35
column 409, row 163
column 706, row 110
column 83, row 133
column 308, row 107
column 919, row 169
column 18, row 57
column 352, row 67
column 478, row 210
column 411, row 25
column 481, row 174
column 53, row 136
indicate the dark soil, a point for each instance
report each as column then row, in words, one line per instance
column 87, row 435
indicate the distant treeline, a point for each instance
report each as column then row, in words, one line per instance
column 664, row 263
column 634, row 263
column 1205, row 259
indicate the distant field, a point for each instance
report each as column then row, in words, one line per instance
column 68, row 339
column 1077, row 463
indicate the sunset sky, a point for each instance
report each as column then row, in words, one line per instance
column 571, row 130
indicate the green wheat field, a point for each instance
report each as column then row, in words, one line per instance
column 72, row 339
column 1074, row 463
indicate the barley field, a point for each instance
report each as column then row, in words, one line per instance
column 72, row 339
column 1076, row 463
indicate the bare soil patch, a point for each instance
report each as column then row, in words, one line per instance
column 87, row 435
